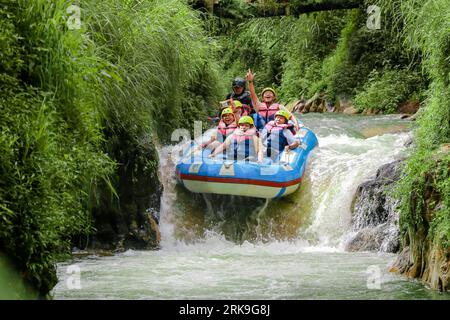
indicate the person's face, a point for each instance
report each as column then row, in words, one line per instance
column 268, row 96
column 238, row 90
column 280, row 120
column 238, row 111
column 244, row 127
column 227, row 118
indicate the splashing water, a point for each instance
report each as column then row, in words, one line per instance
column 218, row 247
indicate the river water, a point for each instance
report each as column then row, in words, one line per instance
column 217, row 247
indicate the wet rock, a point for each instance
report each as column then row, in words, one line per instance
column 409, row 142
column 371, row 111
column 146, row 236
column 409, row 117
column 409, row 107
column 131, row 220
column 374, row 213
column 425, row 256
column 343, row 104
column 350, row 110
column 433, row 267
column 383, row 237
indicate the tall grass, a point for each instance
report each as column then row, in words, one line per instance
column 424, row 26
column 163, row 76
column 260, row 45
column 49, row 160
column 81, row 111
column 314, row 38
column 164, row 61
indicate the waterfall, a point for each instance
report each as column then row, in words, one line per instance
column 318, row 214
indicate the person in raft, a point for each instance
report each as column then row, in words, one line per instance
column 279, row 135
column 243, row 144
column 268, row 107
column 240, row 94
column 226, row 127
column 239, row 109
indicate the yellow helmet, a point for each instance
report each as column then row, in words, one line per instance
column 226, row 111
column 283, row 113
column 237, row 104
column 269, row 89
column 246, row 119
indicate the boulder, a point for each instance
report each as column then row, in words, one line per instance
column 350, row 110
column 409, row 107
column 374, row 213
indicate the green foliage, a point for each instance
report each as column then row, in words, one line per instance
column 386, row 91
column 80, row 111
column 260, row 45
column 164, row 61
column 49, row 161
column 424, row 27
column 162, row 77
column 360, row 52
column 424, row 192
column 315, row 36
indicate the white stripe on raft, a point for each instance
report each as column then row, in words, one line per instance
column 247, row 190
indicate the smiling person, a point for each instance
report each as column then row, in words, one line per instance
column 239, row 109
column 240, row 94
column 278, row 135
column 243, row 144
column 268, row 107
column 226, row 127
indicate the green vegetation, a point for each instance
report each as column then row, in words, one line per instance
column 335, row 54
column 163, row 76
column 50, row 136
column 330, row 52
column 386, row 91
column 79, row 111
column 424, row 188
column 83, row 110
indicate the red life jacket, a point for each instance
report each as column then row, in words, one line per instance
column 246, row 110
column 225, row 130
column 240, row 136
column 273, row 126
column 242, row 144
column 275, row 138
column 268, row 113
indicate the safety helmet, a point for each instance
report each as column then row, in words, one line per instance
column 226, row 111
column 238, row 82
column 269, row 89
column 246, row 119
column 237, row 104
column 283, row 113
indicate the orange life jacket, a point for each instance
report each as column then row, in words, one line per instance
column 268, row 113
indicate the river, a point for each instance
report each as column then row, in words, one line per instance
column 216, row 247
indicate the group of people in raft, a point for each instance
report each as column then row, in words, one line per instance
column 250, row 129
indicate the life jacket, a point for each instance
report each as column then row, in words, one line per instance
column 273, row 126
column 245, row 112
column 224, row 130
column 246, row 109
column 242, row 144
column 268, row 113
column 275, row 137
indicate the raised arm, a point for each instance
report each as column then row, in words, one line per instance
column 255, row 101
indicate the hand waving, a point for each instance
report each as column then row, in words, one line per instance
column 250, row 75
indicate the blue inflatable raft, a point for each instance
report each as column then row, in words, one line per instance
column 271, row 179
